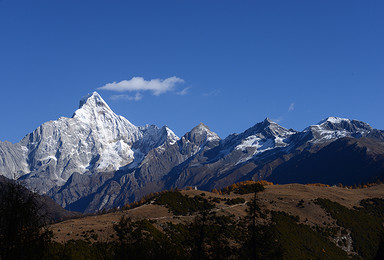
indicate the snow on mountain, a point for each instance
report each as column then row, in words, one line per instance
column 333, row 120
column 94, row 112
column 201, row 134
column 95, row 139
column 102, row 156
column 199, row 158
column 199, row 139
column 333, row 128
column 264, row 136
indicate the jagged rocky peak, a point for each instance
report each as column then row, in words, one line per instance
column 267, row 121
column 332, row 128
column 167, row 135
column 200, row 129
column 93, row 100
column 91, row 107
column 171, row 136
column 152, row 131
column 94, row 139
column 333, row 120
column 343, row 124
column 201, row 134
column 268, row 128
column 95, row 112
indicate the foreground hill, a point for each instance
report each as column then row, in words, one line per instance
column 98, row 160
column 333, row 219
column 49, row 210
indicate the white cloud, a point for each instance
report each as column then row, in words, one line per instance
column 136, row 97
column 291, row 107
column 215, row 92
column 183, row 92
column 277, row 120
column 156, row 86
column 282, row 117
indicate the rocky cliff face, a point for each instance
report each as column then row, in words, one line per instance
column 97, row 159
column 13, row 160
column 94, row 140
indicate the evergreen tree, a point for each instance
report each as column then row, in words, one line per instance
column 23, row 232
column 260, row 240
column 198, row 231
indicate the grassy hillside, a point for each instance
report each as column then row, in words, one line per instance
column 294, row 221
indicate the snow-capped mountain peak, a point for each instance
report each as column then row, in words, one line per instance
column 268, row 129
column 332, row 128
column 95, row 139
column 93, row 100
column 171, row 136
column 201, row 127
column 93, row 107
column 343, row 124
column 267, row 120
column 333, row 120
column 201, row 134
column 95, row 112
column 263, row 136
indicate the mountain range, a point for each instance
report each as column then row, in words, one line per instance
column 97, row 160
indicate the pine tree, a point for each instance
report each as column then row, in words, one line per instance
column 23, row 231
column 260, row 241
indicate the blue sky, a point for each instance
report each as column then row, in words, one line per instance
column 228, row 64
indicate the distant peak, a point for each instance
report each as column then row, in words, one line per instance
column 268, row 123
column 93, row 99
column 91, row 106
column 333, row 120
column 201, row 133
column 267, row 120
column 202, row 129
column 170, row 134
column 201, row 126
column 267, row 128
column 341, row 124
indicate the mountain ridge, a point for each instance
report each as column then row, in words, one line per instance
column 98, row 159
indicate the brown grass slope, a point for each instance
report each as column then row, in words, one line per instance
column 294, row 199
